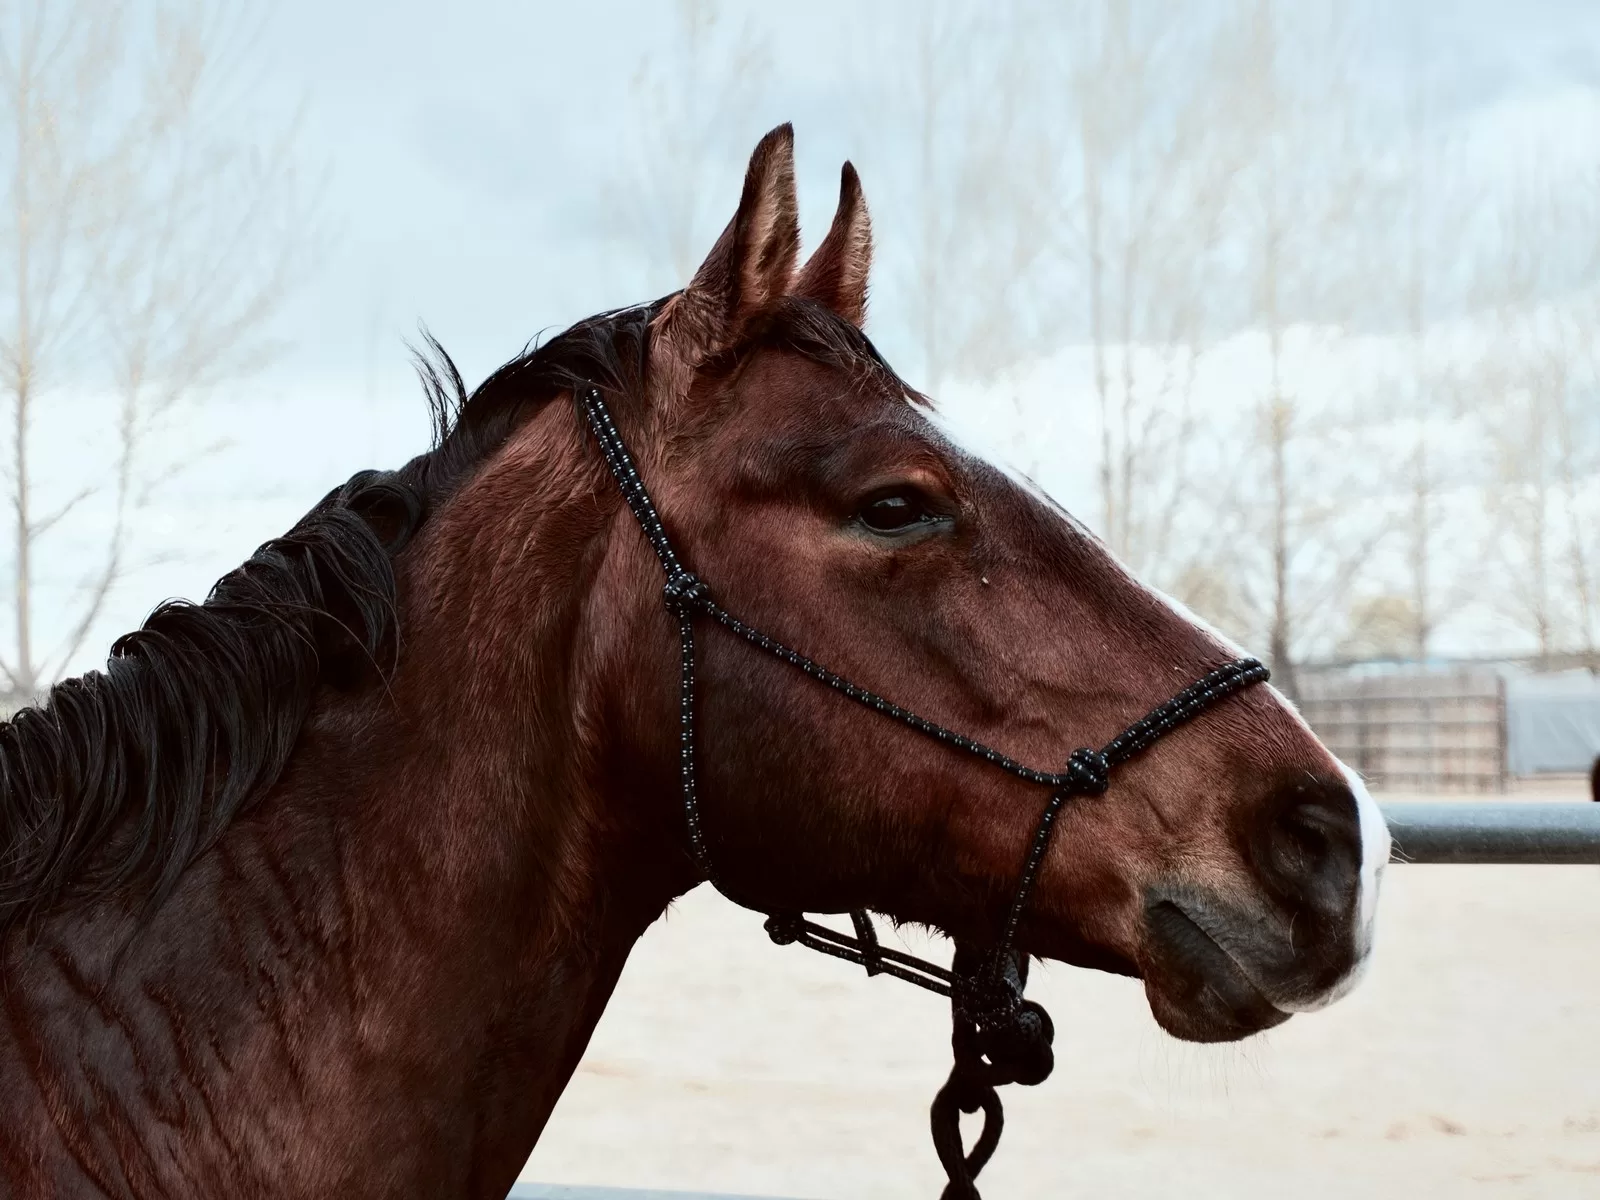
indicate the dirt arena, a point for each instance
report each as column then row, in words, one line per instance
column 1467, row 1064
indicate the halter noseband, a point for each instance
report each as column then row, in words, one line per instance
column 997, row 1037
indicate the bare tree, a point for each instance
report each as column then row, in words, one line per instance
column 1438, row 230
column 1149, row 91
column 1539, row 394
column 147, row 250
column 980, row 193
column 1423, row 525
column 1297, row 224
column 708, row 70
column 1380, row 627
column 1545, row 585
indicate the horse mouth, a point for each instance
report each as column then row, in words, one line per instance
column 1197, row 990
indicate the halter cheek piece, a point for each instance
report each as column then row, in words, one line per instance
column 998, row 1037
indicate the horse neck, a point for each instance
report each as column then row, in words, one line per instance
column 401, row 952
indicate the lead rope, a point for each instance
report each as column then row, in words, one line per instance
column 997, row 1037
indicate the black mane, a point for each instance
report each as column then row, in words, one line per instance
column 122, row 777
column 608, row 351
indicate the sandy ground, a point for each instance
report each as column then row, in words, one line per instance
column 1467, row 1064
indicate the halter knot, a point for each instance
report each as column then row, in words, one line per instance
column 1090, row 771
column 785, row 928
column 685, row 594
column 1016, row 1036
column 1020, row 1049
column 988, row 995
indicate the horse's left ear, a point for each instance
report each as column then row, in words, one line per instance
column 752, row 263
column 836, row 274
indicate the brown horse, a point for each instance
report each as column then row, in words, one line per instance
column 321, row 887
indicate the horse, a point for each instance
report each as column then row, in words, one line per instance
column 321, row 886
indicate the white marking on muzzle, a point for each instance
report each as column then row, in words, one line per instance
column 1374, row 858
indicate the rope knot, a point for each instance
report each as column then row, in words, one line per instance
column 986, row 997
column 1014, row 1035
column 1090, row 771
column 685, row 594
column 785, row 928
column 1019, row 1047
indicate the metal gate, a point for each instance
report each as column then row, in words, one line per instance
column 1413, row 731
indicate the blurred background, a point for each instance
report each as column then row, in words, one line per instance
column 1293, row 302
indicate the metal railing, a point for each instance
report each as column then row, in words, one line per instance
column 1547, row 833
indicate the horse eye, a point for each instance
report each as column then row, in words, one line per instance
column 893, row 513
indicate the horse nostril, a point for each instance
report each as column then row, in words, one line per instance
column 1312, row 848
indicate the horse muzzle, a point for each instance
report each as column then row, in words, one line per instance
column 1197, row 989
column 1221, row 965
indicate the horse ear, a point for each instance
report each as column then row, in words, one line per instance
column 836, row 273
column 752, row 263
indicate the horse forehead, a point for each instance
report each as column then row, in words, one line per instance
column 785, row 400
column 803, row 373
column 794, row 398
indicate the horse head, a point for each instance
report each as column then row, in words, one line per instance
column 1233, row 867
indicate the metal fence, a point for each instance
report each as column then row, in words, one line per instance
column 1414, row 732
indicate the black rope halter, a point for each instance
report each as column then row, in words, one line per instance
column 998, row 1037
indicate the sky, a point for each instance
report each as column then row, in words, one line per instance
column 469, row 163
column 466, row 154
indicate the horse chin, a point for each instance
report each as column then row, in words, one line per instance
column 1197, row 992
